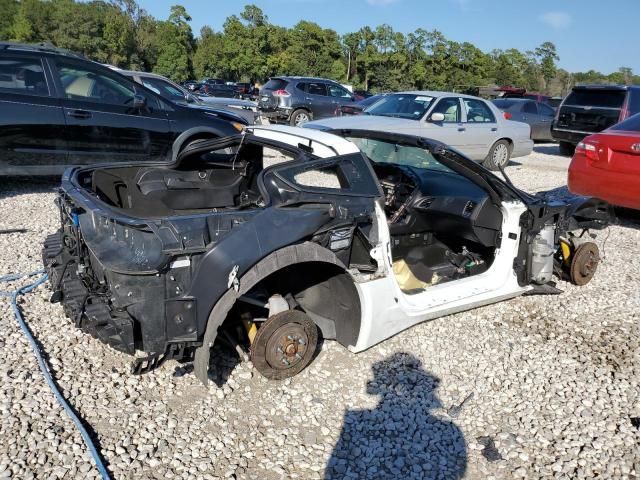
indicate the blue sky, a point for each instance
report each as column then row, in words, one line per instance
column 589, row 34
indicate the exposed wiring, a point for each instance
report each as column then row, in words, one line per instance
column 604, row 244
column 44, row 367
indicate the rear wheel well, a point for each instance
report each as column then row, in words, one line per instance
column 323, row 291
column 316, row 273
column 508, row 140
column 298, row 110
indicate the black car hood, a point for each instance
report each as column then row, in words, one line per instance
column 218, row 112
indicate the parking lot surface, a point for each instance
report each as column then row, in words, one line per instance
column 534, row 387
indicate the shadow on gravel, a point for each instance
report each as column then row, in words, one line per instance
column 627, row 217
column 547, row 149
column 400, row 438
column 224, row 359
column 14, row 186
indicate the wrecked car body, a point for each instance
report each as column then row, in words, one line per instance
column 357, row 236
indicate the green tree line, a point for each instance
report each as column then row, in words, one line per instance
column 250, row 48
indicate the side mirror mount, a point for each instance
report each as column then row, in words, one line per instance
column 436, row 117
column 139, row 102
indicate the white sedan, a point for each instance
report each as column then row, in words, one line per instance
column 469, row 124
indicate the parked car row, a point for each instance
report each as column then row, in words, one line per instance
column 60, row 109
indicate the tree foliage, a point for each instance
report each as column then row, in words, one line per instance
column 250, row 48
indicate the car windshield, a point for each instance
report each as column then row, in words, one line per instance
column 401, row 105
column 367, row 102
column 165, row 89
column 381, row 151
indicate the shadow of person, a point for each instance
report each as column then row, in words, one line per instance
column 400, row 438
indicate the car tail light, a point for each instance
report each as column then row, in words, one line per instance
column 507, row 115
column 588, row 149
column 281, row 93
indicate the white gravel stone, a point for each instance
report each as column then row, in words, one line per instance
column 555, row 382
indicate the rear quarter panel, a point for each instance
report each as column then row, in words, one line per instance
column 520, row 135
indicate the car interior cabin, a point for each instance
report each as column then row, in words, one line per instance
column 442, row 225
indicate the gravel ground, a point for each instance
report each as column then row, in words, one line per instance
column 535, row 387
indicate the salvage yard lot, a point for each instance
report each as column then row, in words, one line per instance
column 535, row 387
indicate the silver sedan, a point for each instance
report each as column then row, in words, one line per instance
column 469, row 124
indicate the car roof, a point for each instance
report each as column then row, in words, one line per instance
column 43, row 47
column 132, row 73
column 604, row 86
column 516, row 99
column 318, row 79
column 435, row 94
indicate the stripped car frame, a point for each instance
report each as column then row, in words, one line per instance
column 163, row 258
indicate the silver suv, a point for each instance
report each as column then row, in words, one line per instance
column 296, row 100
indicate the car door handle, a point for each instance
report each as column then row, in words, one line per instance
column 81, row 114
column 494, row 129
column 462, row 129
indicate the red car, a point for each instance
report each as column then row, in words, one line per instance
column 607, row 165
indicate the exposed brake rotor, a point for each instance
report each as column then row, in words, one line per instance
column 284, row 345
column 584, row 263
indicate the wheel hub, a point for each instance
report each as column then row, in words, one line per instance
column 584, row 263
column 500, row 154
column 286, row 346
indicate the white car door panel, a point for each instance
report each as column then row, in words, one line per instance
column 450, row 131
column 481, row 127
